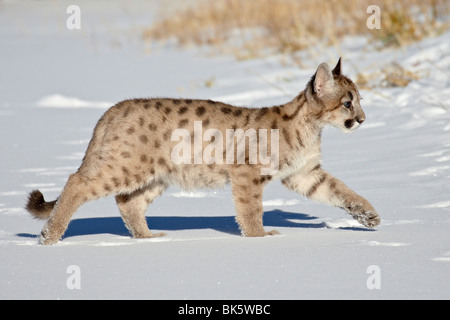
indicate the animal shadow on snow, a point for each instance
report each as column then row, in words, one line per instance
column 226, row 224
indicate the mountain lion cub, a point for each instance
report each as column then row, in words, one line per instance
column 139, row 147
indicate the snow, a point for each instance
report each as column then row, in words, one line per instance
column 56, row 83
column 60, row 101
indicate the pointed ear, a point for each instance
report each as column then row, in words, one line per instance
column 323, row 79
column 338, row 70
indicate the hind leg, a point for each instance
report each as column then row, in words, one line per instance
column 248, row 202
column 72, row 197
column 133, row 206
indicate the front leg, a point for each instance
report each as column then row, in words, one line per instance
column 319, row 185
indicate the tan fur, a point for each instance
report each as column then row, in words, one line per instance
column 130, row 156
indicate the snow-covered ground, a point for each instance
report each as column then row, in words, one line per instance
column 54, row 85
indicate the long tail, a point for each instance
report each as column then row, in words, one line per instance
column 37, row 205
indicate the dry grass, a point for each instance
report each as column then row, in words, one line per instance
column 390, row 75
column 249, row 28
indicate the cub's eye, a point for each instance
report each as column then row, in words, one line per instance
column 347, row 104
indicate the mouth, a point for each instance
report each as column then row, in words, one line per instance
column 350, row 125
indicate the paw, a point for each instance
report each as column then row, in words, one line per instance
column 364, row 214
column 271, row 233
column 149, row 234
column 158, row 235
column 369, row 219
column 261, row 233
column 48, row 239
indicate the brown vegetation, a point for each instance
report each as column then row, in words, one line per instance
column 258, row 27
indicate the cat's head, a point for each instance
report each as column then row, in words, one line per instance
column 335, row 98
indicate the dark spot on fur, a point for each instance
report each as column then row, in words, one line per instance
column 127, row 112
column 243, row 200
column 116, row 181
column 143, row 139
column 226, row 110
column 200, row 111
column 176, row 101
column 274, row 124
column 182, row 110
column 210, row 101
column 264, row 179
column 167, row 134
column 143, row 158
column 188, row 101
column 125, row 170
column 247, row 120
column 237, row 113
column 167, row 110
column 182, row 123
column 162, row 161
column 276, row 110
column 141, row 121
column 332, row 185
column 261, row 113
column 107, row 187
column 157, row 144
column 158, row 105
column 130, row 130
column 146, row 105
column 152, row 127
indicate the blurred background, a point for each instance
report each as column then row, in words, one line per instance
column 256, row 28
